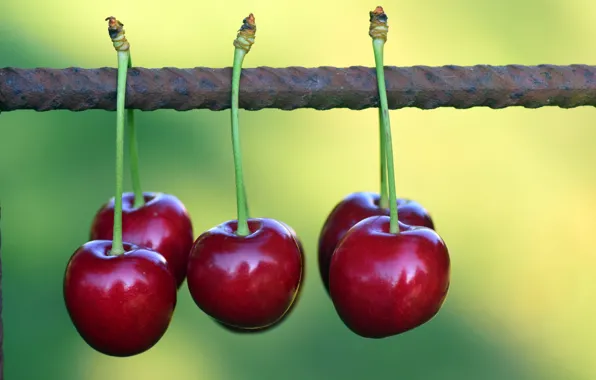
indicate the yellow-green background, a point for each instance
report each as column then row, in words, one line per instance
column 512, row 192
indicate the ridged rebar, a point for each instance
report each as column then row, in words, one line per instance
column 290, row 88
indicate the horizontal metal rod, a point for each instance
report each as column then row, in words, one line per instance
column 290, row 88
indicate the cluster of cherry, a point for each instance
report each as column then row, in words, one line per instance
column 384, row 275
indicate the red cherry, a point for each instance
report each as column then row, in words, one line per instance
column 239, row 330
column 120, row 305
column 161, row 224
column 354, row 208
column 290, row 310
column 246, row 282
column 384, row 284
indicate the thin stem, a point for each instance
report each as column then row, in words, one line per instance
column 123, row 58
column 378, row 30
column 378, row 45
column 242, row 229
column 246, row 208
column 133, row 151
column 384, row 201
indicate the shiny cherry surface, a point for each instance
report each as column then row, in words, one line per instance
column 384, row 284
column 354, row 208
column 246, row 282
column 290, row 310
column 162, row 224
column 120, row 305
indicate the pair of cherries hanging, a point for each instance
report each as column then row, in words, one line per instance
column 384, row 276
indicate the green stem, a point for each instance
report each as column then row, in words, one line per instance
column 246, row 212
column 123, row 59
column 242, row 206
column 134, row 154
column 384, row 201
column 378, row 45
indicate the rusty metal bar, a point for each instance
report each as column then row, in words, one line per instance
column 321, row 88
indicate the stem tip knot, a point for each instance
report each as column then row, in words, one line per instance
column 378, row 24
column 116, row 31
column 246, row 34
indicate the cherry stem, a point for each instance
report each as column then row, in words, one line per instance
column 123, row 59
column 242, row 205
column 384, row 201
column 243, row 43
column 133, row 151
column 378, row 45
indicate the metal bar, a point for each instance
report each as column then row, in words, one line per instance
column 321, row 88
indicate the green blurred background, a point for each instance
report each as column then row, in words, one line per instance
column 513, row 192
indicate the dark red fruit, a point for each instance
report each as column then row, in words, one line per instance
column 120, row 305
column 246, row 282
column 290, row 310
column 354, row 208
column 383, row 284
column 162, row 224
column 270, row 327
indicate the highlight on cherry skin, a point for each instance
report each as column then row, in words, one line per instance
column 383, row 284
column 161, row 224
column 121, row 305
column 246, row 282
column 354, row 208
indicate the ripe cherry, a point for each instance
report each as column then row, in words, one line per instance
column 292, row 307
column 246, row 282
column 121, row 305
column 383, row 283
column 161, row 224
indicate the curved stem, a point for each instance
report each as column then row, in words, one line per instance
column 378, row 45
column 384, row 201
column 133, row 151
column 123, row 58
column 242, row 229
